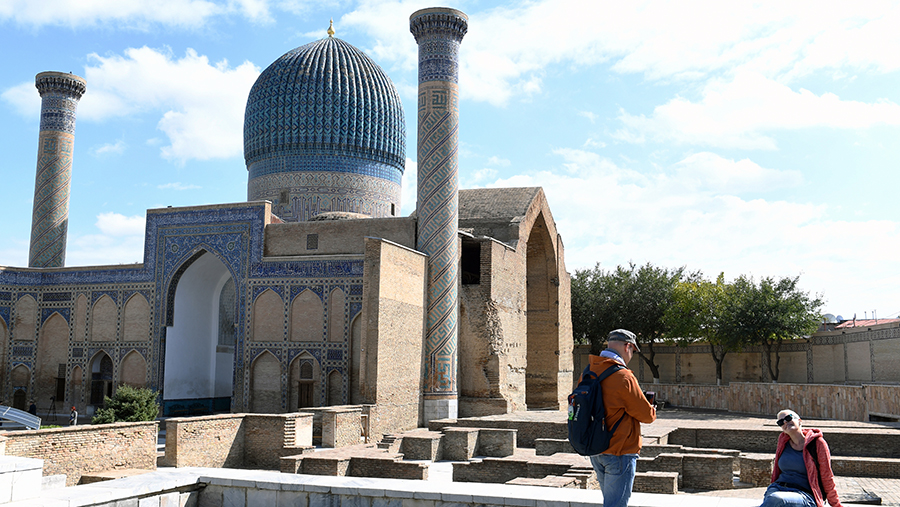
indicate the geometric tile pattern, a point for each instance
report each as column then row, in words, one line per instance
column 325, row 107
column 310, row 193
column 438, row 34
column 59, row 99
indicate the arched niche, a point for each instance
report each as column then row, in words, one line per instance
column 335, row 388
column 336, row 317
column 198, row 373
column 305, row 382
column 357, row 362
column 103, row 320
column 265, row 384
column 101, row 378
column 133, row 370
column 52, row 355
column 26, row 318
column 136, row 319
column 76, row 388
column 307, row 317
column 268, row 317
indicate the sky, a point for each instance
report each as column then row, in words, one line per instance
column 744, row 138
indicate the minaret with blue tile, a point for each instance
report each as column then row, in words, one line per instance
column 439, row 32
column 60, row 93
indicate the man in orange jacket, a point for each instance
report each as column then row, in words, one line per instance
column 622, row 399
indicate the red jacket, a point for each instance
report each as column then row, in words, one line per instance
column 623, row 399
column 813, row 438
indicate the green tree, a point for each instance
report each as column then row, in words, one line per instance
column 699, row 311
column 771, row 311
column 630, row 297
column 129, row 404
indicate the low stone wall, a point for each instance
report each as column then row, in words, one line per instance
column 341, row 427
column 885, row 468
column 76, row 450
column 814, row 401
column 422, row 445
column 492, row 470
column 526, row 431
column 459, row 443
column 551, row 446
column 20, row 478
column 236, row 440
column 707, row 471
column 496, row 442
column 665, row 483
column 842, row 443
column 388, row 468
column 756, row 468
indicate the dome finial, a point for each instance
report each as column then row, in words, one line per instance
column 331, row 27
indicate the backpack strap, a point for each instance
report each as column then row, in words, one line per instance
column 606, row 373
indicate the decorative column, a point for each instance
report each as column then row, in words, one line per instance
column 60, row 93
column 439, row 32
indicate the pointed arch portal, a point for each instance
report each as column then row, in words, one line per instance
column 199, row 370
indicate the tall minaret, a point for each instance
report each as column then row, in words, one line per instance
column 439, row 32
column 60, row 93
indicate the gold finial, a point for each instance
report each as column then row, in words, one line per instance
column 331, row 28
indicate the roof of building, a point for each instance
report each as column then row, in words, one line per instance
column 864, row 323
column 325, row 98
column 495, row 203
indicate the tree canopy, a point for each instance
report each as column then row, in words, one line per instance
column 129, row 404
column 675, row 306
column 631, row 297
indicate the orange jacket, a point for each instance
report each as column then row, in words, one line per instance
column 623, row 399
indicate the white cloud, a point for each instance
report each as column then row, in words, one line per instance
column 593, row 143
column 742, row 112
column 203, row 103
column 502, row 162
column 116, row 148
column 508, row 48
column 24, row 99
column 121, row 13
column 115, row 224
column 708, row 171
column 177, row 186
column 613, row 215
column 589, row 115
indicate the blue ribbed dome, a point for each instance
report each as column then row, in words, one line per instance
column 325, row 98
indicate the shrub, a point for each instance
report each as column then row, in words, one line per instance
column 129, row 404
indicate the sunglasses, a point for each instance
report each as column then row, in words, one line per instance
column 786, row 419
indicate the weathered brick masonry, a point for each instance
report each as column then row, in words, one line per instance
column 77, row 450
column 236, row 440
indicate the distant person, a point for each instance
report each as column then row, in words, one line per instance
column 73, row 417
column 801, row 475
column 32, row 409
column 624, row 401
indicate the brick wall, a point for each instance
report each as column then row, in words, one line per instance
column 393, row 317
column 756, row 468
column 236, row 440
column 422, row 445
column 763, row 441
column 526, row 431
column 77, row 450
column 207, row 441
column 491, row 470
column 370, row 466
column 459, row 443
column 815, row 401
column 341, row 426
column 496, row 442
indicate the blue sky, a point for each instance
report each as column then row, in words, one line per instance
column 757, row 139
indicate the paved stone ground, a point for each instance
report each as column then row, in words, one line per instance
column 848, row 487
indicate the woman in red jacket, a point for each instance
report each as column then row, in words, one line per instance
column 801, row 476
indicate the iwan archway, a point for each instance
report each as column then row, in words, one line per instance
column 200, row 339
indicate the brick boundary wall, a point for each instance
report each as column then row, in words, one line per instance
column 77, row 450
column 841, row 443
column 816, row 401
column 236, row 440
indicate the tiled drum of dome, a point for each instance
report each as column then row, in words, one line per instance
column 438, row 33
column 321, row 109
column 60, row 94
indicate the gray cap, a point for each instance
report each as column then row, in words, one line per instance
column 623, row 335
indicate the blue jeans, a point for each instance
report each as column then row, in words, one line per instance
column 616, row 476
column 783, row 496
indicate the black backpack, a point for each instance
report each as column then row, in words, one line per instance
column 588, row 433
